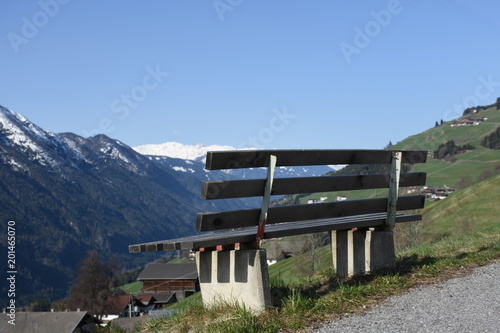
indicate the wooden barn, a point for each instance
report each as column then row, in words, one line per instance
column 178, row 279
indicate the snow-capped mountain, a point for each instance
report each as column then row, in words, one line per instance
column 23, row 142
column 35, row 142
column 190, row 159
column 179, row 150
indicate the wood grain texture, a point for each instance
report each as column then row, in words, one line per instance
column 250, row 217
column 260, row 158
column 283, row 186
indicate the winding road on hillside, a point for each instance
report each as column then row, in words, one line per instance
column 466, row 304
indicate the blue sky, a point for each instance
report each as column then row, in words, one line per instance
column 248, row 73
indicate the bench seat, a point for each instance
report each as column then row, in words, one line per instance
column 247, row 235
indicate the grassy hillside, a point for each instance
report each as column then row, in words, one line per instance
column 466, row 211
column 473, row 164
column 462, row 135
column 298, row 267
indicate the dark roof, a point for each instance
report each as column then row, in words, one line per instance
column 146, row 299
column 116, row 304
column 161, row 297
column 28, row 322
column 169, row 272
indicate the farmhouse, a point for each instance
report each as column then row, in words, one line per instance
column 468, row 122
column 178, row 279
column 436, row 192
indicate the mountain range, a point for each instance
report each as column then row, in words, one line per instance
column 68, row 195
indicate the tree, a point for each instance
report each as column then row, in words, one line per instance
column 492, row 141
column 442, row 122
column 437, row 124
column 446, row 149
column 94, row 282
column 39, row 305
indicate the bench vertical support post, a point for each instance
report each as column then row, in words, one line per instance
column 362, row 251
column 356, row 242
column 266, row 199
column 393, row 190
column 339, row 240
column 234, row 277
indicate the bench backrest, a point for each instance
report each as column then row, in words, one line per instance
column 282, row 186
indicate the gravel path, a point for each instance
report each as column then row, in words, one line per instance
column 466, row 304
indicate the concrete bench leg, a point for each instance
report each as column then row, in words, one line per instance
column 362, row 251
column 236, row 276
column 380, row 250
column 339, row 252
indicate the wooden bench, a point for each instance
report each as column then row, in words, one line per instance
column 231, row 265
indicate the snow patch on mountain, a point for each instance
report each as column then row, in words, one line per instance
column 19, row 131
column 16, row 165
column 182, row 169
column 114, row 153
column 179, row 150
column 75, row 145
column 14, row 133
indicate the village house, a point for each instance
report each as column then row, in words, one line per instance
column 468, row 122
column 436, row 192
column 169, row 280
column 314, row 201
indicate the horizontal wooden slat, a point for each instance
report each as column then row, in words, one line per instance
column 250, row 217
column 272, row 231
column 260, row 158
column 282, row 186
